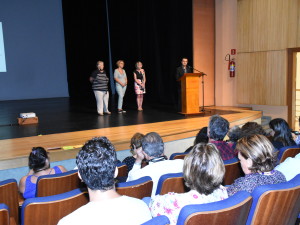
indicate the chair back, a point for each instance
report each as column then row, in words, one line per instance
column 122, row 170
column 4, row 214
column 9, row 195
column 232, row 211
column 276, row 203
column 180, row 155
column 233, row 171
column 171, row 182
column 288, row 151
column 159, row 220
column 49, row 210
column 57, row 183
column 139, row 188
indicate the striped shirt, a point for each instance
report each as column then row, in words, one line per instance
column 100, row 82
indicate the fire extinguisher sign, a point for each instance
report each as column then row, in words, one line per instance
column 233, row 51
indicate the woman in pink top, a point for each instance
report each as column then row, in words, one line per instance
column 203, row 172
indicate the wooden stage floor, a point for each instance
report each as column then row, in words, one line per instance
column 14, row 151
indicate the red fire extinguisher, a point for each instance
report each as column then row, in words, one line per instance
column 232, row 68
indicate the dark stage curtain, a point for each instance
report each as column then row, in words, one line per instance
column 158, row 33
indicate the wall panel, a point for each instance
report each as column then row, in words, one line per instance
column 262, row 78
column 265, row 25
column 265, row 29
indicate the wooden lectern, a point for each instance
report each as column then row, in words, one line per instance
column 190, row 93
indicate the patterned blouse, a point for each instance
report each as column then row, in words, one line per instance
column 170, row 204
column 251, row 181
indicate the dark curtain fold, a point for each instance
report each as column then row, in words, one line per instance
column 158, row 33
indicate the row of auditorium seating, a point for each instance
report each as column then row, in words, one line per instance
column 283, row 153
column 233, row 169
column 288, row 151
column 274, row 204
column 50, row 185
column 61, row 183
column 263, row 206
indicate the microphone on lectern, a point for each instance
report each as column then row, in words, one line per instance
column 197, row 70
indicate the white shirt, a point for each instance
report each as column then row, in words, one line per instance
column 155, row 171
column 290, row 167
column 122, row 210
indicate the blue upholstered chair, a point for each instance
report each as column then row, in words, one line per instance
column 4, row 214
column 49, row 210
column 171, row 182
column 159, row 220
column 233, row 210
column 58, row 183
column 139, row 188
column 288, row 151
column 9, row 195
column 180, row 155
column 233, row 170
column 276, row 203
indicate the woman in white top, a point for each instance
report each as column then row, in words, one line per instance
column 121, row 84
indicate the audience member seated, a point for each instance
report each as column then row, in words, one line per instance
column 39, row 165
column 135, row 143
column 281, row 133
column 201, row 137
column 234, row 135
column 251, row 128
column 296, row 135
column 203, row 172
column 217, row 130
column 257, row 158
column 96, row 163
column 153, row 151
column 290, row 167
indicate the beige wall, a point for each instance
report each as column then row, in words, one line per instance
column 226, row 38
column 204, row 46
column 265, row 30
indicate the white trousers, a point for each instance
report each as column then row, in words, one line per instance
column 102, row 101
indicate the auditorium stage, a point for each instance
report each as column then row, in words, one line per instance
column 64, row 123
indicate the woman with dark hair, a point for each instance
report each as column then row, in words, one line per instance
column 39, row 165
column 203, row 172
column 281, row 132
column 234, row 135
column 257, row 158
column 201, row 137
column 139, row 84
column 251, row 128
column 135, row 144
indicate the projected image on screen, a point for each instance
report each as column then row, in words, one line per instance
column 2, row 53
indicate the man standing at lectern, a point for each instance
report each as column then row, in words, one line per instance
column 181, row 70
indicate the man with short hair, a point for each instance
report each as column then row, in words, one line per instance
column 96, row 163
column 180, row 71
column 153, row 151
column 216, row 131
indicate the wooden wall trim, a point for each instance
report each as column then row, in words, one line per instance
column 291, row 85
